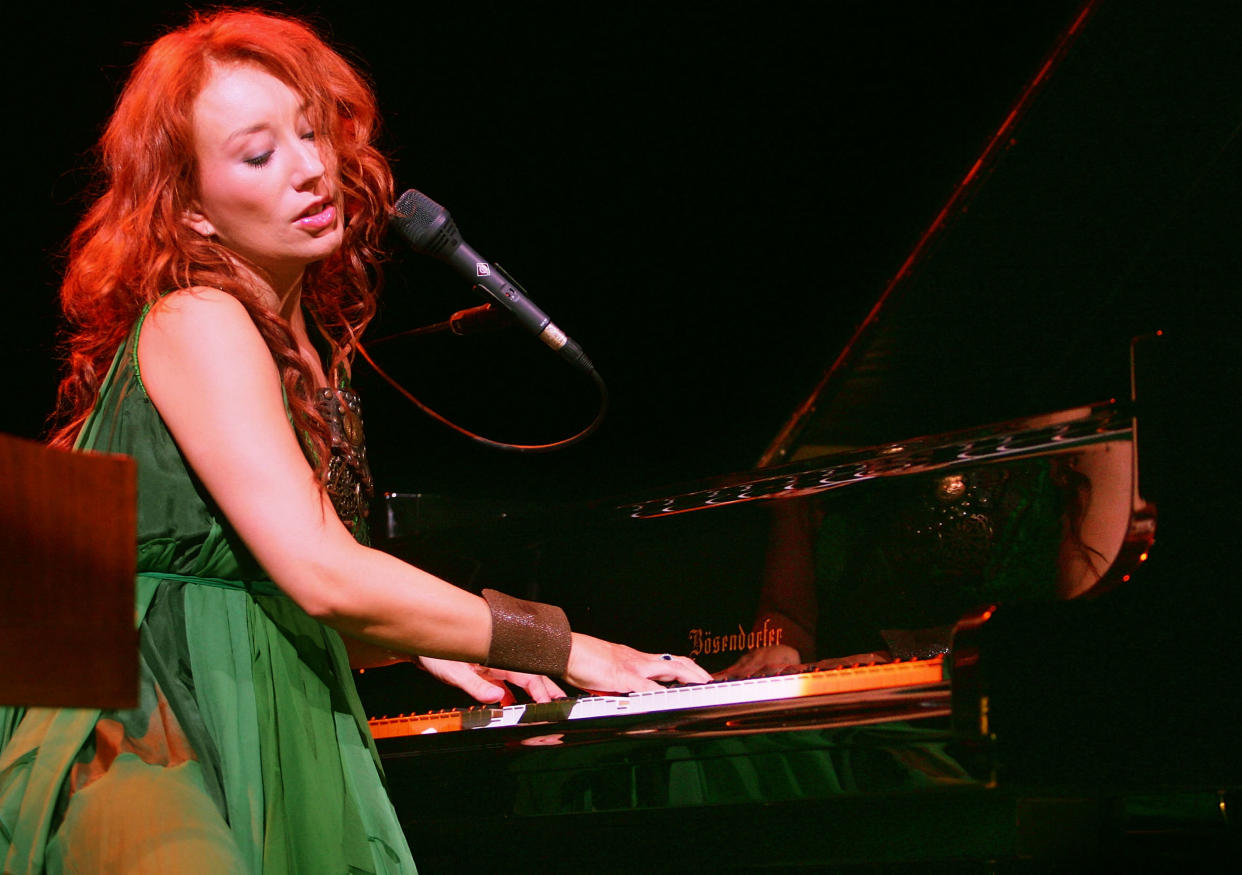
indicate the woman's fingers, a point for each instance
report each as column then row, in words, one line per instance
column 595, row 665
column 537, row 686
column 466, row 678
column 614, row 668
column 677, row 669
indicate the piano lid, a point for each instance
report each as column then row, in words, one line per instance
column 1059, row 245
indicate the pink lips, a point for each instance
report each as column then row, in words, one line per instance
column 320, row 220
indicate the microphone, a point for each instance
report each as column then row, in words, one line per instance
column 430, row 230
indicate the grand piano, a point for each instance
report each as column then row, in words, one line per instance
column 974, row 607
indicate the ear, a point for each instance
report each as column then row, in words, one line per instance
column 196, row 221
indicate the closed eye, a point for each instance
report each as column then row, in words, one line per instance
column 260, row 160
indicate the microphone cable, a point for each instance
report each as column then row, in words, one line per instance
column 474, row 436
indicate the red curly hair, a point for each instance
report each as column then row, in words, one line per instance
column 132, row 245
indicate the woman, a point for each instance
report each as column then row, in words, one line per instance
column 240, row 226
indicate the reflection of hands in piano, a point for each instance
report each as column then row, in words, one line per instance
column 761, row 661
column 779, row 659
column 599, row 667
column 491, row 684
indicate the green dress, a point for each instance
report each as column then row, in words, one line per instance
column 247, row 706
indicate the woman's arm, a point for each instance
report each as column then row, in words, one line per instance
column 214, row 383
column 365, row 655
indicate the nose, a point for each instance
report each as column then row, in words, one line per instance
column 310, row 166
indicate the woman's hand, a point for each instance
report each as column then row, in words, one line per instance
column 761, row 660
column 599, row 666
column 490, row 684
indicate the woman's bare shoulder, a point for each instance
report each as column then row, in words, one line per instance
column 185, row 307
column 199, row 323
column 200, row 343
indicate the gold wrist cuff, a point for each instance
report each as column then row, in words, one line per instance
column 527, row 636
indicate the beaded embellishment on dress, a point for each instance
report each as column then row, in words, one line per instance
column 349, row 482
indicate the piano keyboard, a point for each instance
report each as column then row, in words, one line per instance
column 764, row 689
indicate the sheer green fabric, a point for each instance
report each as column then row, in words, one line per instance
column 235, row 678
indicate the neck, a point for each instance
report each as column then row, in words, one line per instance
column 289, row 307
column 289, row 304
column 280, row 292
column 283, row 294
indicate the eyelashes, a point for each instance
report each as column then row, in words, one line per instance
column 266, row 157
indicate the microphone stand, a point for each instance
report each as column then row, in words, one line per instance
column 474, row 320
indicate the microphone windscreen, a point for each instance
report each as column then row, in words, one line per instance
column 425, row 225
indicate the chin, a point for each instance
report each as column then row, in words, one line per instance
column 323, row 247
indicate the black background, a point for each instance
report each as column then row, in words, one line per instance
column 706, row 196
